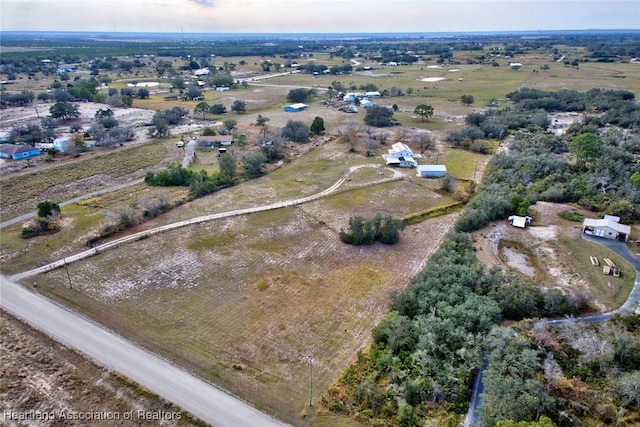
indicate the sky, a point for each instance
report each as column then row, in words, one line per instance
column 316, row 16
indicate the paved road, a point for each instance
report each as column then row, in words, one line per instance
column 630, row 306
column 107, row 349
column 72, row 201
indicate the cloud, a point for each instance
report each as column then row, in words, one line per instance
column 205, row 3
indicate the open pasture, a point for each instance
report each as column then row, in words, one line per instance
column 247, row 301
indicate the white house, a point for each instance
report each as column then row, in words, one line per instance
column 400, row 155
column 609, row 227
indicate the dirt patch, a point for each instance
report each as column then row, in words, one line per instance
column 545, row 252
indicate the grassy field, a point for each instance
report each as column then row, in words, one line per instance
column 244, row 302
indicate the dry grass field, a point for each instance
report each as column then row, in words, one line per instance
column 38, row 374
column 245, row 302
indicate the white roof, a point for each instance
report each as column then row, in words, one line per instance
column 399, row 146
column 432, row 168
column 597, row 223
column 298, row 106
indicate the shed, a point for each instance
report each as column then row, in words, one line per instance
column 431, row 171
column 365, row 103
column 62, row 144
column 520, row 221
column 295, row 108
column 16, row 152
column 609, row 227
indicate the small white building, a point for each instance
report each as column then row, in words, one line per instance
column 400, row 155
column 202, row 72
column 520, row 221
column 62, row 143
column 431, row 171
column 609, row 227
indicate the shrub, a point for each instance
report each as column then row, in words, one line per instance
column 363, row 231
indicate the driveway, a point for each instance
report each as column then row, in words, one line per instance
column 630, row 306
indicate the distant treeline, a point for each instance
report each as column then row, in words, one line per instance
column 600, row 46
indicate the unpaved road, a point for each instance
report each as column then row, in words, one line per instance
column 144, row 234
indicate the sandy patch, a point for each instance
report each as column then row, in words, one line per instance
column 454, row 70
column 544, row 233
column 518, row 261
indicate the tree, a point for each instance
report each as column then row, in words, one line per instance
column 424, row 141
column 253, row 164
column 218, row 109
column 202, row 108
column 262, row 122
column 298, row 95
column 178, row 83
column 228, row 166
column 64, row 111
column 424, row 110
column 295, row 130
column 44, row 97
column 126, row 101
column 238, row 106
column 317, row 126
column 103, row 113
column 467, row 99
column 48, row 209
column 193, row 92
column 378, row 116
column 586, row 147
column 143, row 93
column 230, row 124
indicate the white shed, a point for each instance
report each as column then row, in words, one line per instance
column 431, row 171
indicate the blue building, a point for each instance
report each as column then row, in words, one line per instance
column 16, row 152
column 295, row 108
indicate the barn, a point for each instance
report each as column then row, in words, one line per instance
column 431, row 171
column 295, row 108
column 609, row 227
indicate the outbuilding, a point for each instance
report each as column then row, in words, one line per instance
column 17, row 152
column 608, row 227
column 216, row 141
column 295, row 108
column 431, row 171
column 62, row 143
column 520, row 221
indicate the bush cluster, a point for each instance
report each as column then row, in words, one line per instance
column 367, row 231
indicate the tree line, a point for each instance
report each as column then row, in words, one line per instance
column 425, row 353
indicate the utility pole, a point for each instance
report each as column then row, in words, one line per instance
column 475, row 167
column 66, row 267
column 310, row 382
